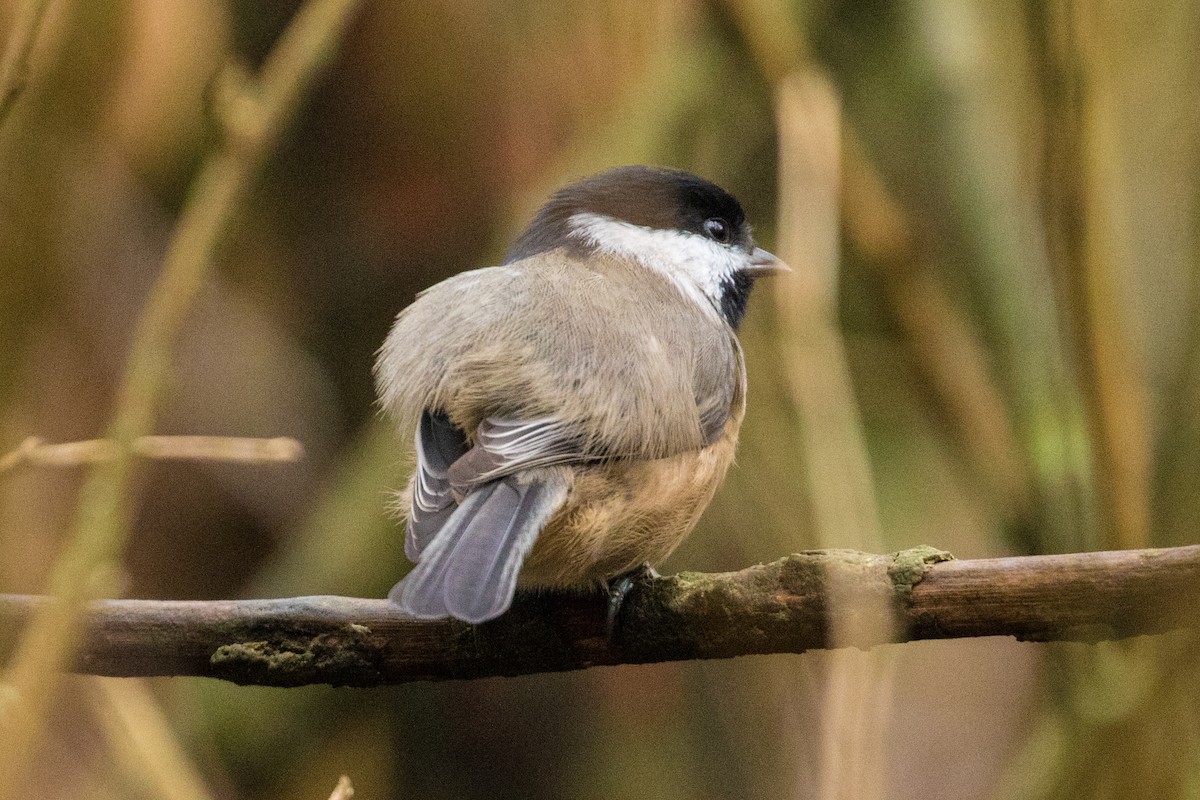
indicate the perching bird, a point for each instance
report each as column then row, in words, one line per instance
column 576, row 407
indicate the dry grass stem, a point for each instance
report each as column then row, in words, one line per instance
column 1080, row 197
column 217, row 194
column 842, row 487
column 140, row 736
column 37, row 453
column 949, row 352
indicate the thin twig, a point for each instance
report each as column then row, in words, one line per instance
column 782, row 607
column 14, row 64
column 91, row 561
column 35, row 452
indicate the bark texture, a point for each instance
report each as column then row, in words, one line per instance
column 781, row 607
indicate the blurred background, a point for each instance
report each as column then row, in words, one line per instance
column 990, row 345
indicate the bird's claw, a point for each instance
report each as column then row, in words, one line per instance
column 620, row 587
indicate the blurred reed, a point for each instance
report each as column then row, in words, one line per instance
column 949, row 353
column 1112, row 727
column 92, row 561
column 858, row 685
column 35, row 452
column 1080, row 199
column 143, row 741
column 344, row 789
column 1024, row 361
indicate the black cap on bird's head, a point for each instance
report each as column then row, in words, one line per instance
column 649, row 197
column 675, row 222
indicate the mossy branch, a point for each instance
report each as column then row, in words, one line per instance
column 780, row 607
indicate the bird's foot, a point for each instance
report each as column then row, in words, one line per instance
column 620, row 587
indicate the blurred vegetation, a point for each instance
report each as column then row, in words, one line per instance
column 1014, row 292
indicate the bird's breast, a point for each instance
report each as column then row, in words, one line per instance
column 622, row 514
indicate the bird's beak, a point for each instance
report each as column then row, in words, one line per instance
column 763, row 263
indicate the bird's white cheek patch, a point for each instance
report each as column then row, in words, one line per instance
column 695, row 264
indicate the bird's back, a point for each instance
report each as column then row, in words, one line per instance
column 641, row 368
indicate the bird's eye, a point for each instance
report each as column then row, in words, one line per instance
column 718, row 230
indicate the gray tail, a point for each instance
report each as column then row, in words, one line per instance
column 469, row 569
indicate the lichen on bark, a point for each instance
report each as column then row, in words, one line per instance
column 909, row 567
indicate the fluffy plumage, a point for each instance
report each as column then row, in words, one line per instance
column 577, row 407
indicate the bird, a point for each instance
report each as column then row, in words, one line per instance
column 575, row 407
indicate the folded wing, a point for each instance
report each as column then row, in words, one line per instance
column 469, row 554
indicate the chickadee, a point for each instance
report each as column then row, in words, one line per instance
column 577, row 406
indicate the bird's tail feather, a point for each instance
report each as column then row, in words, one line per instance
column 469, row 569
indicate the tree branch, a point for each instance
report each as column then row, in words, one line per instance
column 771, row 608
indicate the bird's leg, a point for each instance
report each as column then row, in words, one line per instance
column 620, row 586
